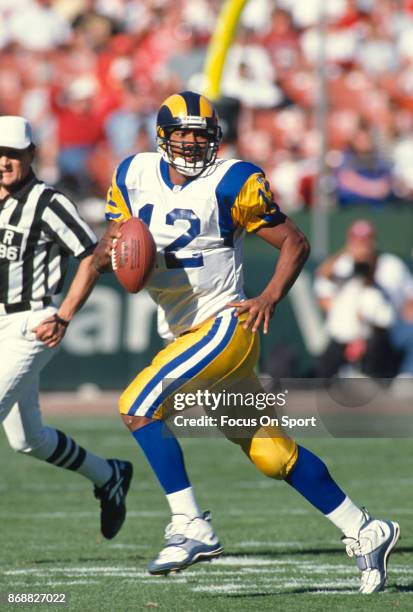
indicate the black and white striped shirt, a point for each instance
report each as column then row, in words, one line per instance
column 40, row 229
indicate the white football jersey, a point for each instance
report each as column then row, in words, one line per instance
column 198, row 229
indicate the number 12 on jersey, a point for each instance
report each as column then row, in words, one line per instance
column 194, row 229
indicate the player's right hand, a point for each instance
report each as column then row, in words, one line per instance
column 260, row 310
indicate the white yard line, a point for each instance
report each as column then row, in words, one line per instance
column 245, row 575
column 64, row 515
column 276, row 544
column 251, row 565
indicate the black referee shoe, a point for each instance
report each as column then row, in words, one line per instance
column 112, row 498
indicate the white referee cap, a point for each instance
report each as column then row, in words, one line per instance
column 15, row 132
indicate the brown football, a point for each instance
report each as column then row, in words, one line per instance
column 134, row 255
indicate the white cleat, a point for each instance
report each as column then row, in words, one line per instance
column 372, row 550
column 188, row 541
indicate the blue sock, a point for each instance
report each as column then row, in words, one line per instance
column 164, row 455
column 311, row 478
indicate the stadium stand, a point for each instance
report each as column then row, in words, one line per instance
column 107, row 64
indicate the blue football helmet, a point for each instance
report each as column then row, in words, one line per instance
column 193, row 112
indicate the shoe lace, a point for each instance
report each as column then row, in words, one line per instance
column 353, row 547
column 182, row 523
column 176, row 527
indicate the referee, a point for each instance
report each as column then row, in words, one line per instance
column 39, row 230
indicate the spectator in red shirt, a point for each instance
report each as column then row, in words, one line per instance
column 79, row 130
column 282, row 41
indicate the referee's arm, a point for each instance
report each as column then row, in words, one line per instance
column 61, row 221
column 84, row 281
column 52, row 330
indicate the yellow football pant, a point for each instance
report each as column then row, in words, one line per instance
column 217, row 353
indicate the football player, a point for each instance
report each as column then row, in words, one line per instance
column 198, row 208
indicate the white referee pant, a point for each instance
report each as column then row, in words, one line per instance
column 22, row 359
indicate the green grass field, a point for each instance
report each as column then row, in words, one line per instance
column 280, row 553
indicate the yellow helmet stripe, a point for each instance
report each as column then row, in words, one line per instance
column 206, row 108
column 177, row 105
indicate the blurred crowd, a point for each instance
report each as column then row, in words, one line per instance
column 90, row 75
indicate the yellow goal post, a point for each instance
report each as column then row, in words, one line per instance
column 221, row 40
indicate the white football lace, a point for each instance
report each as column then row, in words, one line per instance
column 113, row 254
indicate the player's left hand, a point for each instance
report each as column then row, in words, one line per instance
column 51, row 331
column 260, row 310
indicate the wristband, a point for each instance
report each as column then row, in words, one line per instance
column 60, row 321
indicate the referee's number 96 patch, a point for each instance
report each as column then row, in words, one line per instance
column 11, row 240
